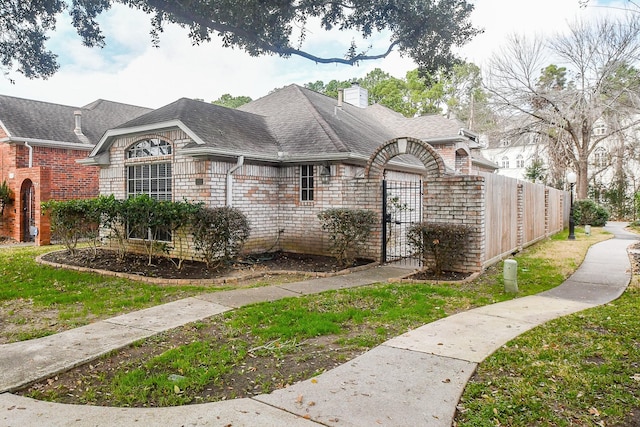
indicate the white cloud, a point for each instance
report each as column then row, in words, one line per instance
column 130, row 70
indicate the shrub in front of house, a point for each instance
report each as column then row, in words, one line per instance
column 588, row 212
column 348, row 231
column 440, row 245
column 219, row 234
column 73, row 220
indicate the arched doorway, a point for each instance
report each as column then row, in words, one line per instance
column 402, row 201
column 28, row 229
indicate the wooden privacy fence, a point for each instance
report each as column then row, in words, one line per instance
column 518, row 214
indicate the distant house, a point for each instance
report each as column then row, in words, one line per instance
column 39, row 145
column 612, row 155
column 285, row 157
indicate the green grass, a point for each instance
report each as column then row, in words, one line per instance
column 28, row 289
column 582, row 369
column 579, row 370
column 358, row 318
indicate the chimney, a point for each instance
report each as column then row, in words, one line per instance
column 356, row 95
column 78, row 120
column 78, row 128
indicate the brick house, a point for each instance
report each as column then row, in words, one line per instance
column 39, row 145
column 285, row 157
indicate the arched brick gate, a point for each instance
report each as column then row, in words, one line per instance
column 402, row 201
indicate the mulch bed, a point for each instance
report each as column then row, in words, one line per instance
column 164, row 268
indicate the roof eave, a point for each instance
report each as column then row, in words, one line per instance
column 485, row 162
column 102, row 159
column 46, row 143
column 445, row 139
column 277, row 157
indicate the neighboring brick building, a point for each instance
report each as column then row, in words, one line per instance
column 287, row 156
column 39, row 145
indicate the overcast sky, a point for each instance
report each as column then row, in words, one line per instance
column 130, row 70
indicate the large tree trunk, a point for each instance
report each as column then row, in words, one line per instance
column 582, row 183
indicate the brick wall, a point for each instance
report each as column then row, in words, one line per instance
column 270, row 196
column 65, row 179
column 459, row 199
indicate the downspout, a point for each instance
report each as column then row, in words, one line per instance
column 26, row 144
column 230, row 180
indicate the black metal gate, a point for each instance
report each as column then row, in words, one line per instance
column 401, row 207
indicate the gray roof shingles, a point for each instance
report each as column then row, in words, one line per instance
column 293, row 120
column 48, row 122
column 218, row 127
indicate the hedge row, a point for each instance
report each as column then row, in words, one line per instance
column 218, row 233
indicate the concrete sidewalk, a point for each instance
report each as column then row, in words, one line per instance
column 414, row 379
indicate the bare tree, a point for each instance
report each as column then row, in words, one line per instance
column 601, row 84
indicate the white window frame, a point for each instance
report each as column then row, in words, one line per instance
column 600, row 157
column 149, row 171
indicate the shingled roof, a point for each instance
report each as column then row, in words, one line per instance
column 53, row 124
column 212, row 126
column 291, row 124
column 307, row 123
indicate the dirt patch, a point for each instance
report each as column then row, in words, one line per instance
column 268, row 367
column 428, row 275
column 632, row 420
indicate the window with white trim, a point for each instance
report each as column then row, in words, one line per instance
column 600, row 157
column 600, row 129
column 306, row 183
column 504, row 163
column 519, row 161
column 153, row 178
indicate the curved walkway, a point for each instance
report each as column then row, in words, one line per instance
column 414, row 379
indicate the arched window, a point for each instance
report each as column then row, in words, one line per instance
column 149, row 148
column 504, row 163
column 519, row 161
column 152, row 178
column 601, row 157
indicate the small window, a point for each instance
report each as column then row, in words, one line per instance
column 600, row 129
column 504, row 163
column 306, row 183
column 519, row 161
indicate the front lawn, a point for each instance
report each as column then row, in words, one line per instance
column 262, row 347
column 37, row 300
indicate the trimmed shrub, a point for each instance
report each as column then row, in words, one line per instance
column 219, row 234
column 588, row 212
column 440, row 245
column 73, row 220
column 348, row 231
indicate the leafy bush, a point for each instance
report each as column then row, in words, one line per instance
column 6, row 196
column 219, row 233
column 73, row 220
column 440, row 245
column 172, row 219
column 588, row 212
column 348, row 230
